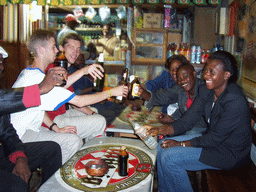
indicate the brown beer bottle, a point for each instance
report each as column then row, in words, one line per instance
column 98, row 84
column 123, row 162
column 123, row 81
column 134, row 92
column 62, row 61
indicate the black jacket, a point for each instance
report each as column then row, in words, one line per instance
column 173, row 95
column 10, row 102
column 228, row 139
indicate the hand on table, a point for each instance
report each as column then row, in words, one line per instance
column 54, row 76
column 95, row 70
column 21, row 169
column 164, row 118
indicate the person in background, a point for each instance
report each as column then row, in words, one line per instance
column 28, row 123
column 227, row 142
column 18, row 160
column 108, row 43
column 184, row 93
column 166, row 80
column 84, row 85
column 87, row 121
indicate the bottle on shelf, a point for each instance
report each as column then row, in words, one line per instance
column 198, row 56
column 141, row 131
column 193, row 54
column 134, row 92
column 123, row 162
column 98, row 84
column 62, row 61
column 181, row 49
column 123, row 81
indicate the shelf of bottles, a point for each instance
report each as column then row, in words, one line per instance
column 194, row 53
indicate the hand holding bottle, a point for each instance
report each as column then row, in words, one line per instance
column 159, row 130
column 95, row 71
column 144, row 93
column 121, row 90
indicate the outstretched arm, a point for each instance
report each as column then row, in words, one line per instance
column 95, row 70
column 84, row 100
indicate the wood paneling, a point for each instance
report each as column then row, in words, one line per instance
column 17, row 60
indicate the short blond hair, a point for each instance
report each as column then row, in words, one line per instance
column 39, row 38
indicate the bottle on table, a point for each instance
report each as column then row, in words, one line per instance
column 134, row 92
column 141, row 131
column 123, row 162
column 98, row 84
column 124, row 81
column 62, row 61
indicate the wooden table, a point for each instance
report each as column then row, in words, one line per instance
column 135, row 182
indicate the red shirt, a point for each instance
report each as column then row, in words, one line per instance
column 189, row 102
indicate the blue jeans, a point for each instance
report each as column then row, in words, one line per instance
column 173, row 164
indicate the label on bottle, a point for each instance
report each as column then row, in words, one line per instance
column 145, row 137
column 135, row 90
column 119, row 98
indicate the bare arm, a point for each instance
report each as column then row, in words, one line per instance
column 84, row 100
column 95, row 70
column 86, row 110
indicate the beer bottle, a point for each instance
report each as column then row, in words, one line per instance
column 123, row 81
column 62, row 61
column 98, row 84
column 134, row 92
column 123, row 162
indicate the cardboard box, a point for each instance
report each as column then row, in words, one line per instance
column 152, row 20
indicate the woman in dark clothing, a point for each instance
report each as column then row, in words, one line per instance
column 227, row 141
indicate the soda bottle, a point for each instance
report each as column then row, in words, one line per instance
column 98, row 84
column 198, row 56
column 123, row 81
column 149, row 141
column 134, row 93
column 123, row 162
column 193, row 54
column 62, row 61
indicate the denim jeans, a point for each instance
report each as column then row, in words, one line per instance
column 173, row 162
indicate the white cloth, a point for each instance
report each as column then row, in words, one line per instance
column 172, row 108
column 28, row 123
column 88, row 126
column 32, row 118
